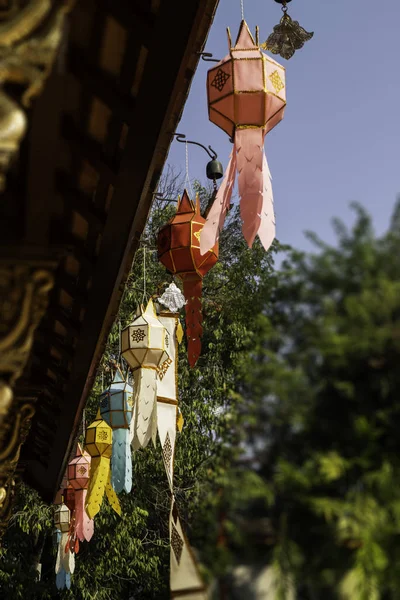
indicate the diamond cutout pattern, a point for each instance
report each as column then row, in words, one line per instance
column 220, row 80
column 276, row 81
column 176, row 543
column 167, row 451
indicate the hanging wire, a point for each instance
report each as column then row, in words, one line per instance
column 187, row 178
column 119, row 363
column 83, row 423
column 144, row 275
column 242, row 8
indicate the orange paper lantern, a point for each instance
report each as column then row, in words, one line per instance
column 179, row 252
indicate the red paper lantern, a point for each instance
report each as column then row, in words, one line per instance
column 179, row 252
column 69, row 498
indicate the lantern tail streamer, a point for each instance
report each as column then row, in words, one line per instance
column 63, row 580
column 65, row 558
column 84, row 527
column 146, row 404
column 216, row 217
column 121, row 461
column 99, row 473
column 185, row 578
column 112, row 496
column 250, row 153
column 194, row 318
column 266, row 233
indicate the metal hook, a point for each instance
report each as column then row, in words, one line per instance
column 181, row 137
column 207, row 57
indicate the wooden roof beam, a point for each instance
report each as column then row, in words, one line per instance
column 101, row 84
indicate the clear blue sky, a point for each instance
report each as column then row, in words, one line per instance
column 340, row 138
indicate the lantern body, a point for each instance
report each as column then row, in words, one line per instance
column 143, row 342
column 79, row 470
column 62, row 518
column 116, row 403
column 246, row 98
column 98, row 439
column 179, row 243
column 246, row 88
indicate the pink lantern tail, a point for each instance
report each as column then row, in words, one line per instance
column 84, row 527
column 250, row 152
column 216, row 217
column 266, row 232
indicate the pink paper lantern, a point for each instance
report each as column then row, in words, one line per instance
column 246, row 98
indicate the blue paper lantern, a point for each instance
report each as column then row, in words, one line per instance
column 116, row 405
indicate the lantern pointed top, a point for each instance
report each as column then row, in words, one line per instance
column 245, row 39
column 185, row 204
column 150, row 308
column 78, row 450
column 118, row 377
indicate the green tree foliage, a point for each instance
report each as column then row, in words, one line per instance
column 323, row 428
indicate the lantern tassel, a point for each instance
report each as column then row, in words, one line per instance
column 194, row 318
column 250, row 145
column 84, row 526
column 216, row 217
column 99, row 473
column 63, row 580
column 112, row 496
column 146, row 407
column 65, row 558
column 266, row 232
column 121, row 461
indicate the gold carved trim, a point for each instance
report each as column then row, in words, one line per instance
column 23, row 301
column 29, row 41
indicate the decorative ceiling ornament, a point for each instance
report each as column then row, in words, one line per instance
column 65, row 562
column 288, row 36
column 98, row 443
column 179, row 252
column 116, row 405
column 172, row 298
column 247, row 103
column 144, row 346
column 78, row 476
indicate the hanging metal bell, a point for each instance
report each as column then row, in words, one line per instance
column 214, row 170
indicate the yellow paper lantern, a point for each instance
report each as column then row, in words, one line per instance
column 98, row 442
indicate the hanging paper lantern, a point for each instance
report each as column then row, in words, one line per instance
column 144, row 346
column 246, row 98
column 65, row 562
column 98, row 440
column 78, row 475
column 179, row 252
column 116, row 408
